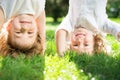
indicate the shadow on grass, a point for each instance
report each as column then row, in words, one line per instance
column 22, row 68
column 99, row 66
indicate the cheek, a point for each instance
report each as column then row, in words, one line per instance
column 15, row 23
column 89, row 50
column 34, row 38
column 73, row 37
column 36, row 30
column 90, row 37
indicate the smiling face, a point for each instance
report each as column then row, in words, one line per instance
column 82, row 40
column 22, row 32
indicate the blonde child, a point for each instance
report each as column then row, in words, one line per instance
column 84, row 27
column 24, row 30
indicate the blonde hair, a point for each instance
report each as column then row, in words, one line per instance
column 7, row 49
column 99, row 44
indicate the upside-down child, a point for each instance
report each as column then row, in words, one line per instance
column 84, row 27
column 24, row 27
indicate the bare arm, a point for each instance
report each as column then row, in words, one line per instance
column 2, row 18
column 41, row 28
column 113, row 28
column 61, row 42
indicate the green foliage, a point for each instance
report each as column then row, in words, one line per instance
column 56, row 8
column 116, row 19
column 113, row 8
column 22, row 68
column 60, row 68
column 100, row 66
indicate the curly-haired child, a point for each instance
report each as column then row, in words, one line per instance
column 84, row 27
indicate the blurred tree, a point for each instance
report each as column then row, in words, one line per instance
column 113, row 8
column 56, row 8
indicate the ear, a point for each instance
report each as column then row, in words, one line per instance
column 9, row 25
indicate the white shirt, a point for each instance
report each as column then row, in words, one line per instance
column 12, row 8
column 90, row 14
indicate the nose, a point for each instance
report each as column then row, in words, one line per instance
column 81, row 45
column 80, row 40
column 80, row 48
column 24, row 28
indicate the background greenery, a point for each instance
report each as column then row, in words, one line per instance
column 59, row 8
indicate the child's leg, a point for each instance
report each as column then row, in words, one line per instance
column 88, row 22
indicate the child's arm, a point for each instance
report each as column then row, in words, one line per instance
column 2, row 18
column 63, row 36
column 41, row 21
column 112, row 28
column 61, row 42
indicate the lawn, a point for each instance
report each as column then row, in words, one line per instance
column 70, row 67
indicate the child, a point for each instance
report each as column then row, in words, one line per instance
column 83, row 28
column 25, row 27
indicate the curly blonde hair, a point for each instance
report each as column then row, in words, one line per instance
column 7, row 49
column 99, row 44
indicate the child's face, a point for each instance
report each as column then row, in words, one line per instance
column 23, row 31
column 82, row 40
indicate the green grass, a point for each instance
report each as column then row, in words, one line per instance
column 22, row 68
column 116, row 19
column 70, row 67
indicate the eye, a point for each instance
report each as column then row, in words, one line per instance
column 18, row 32
column 86, row 45
column 75, row 44
column 30, row 32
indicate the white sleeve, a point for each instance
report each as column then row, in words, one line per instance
column 112, row 28
column 65, row 25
